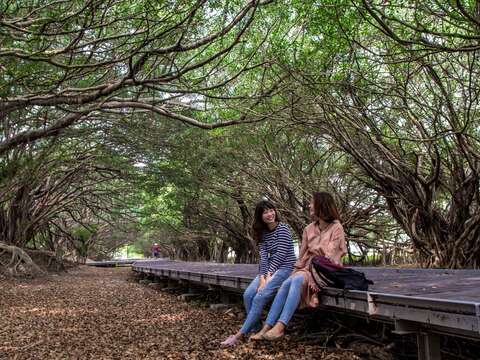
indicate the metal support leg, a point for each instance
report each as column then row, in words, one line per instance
column 161, row 282
column 428, row 346
column 225, row 297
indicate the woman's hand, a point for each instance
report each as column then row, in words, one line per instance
column 261, row 283
column 268, row 277
column 264, row 279
column 314, row 288
column 314, row 301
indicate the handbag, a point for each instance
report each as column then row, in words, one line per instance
column 337, row 276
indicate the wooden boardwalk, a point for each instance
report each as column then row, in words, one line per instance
column 462, row 285
column 427, row 302
column 115, row 263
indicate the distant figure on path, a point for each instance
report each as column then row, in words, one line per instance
column 155, row 250
column 277, row 257
column 324, row 237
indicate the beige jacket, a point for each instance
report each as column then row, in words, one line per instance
column 329, row 242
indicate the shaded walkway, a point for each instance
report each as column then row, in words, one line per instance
column 95, row 313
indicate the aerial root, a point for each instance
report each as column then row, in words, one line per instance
column 14, row 261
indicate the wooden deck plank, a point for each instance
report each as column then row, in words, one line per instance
column 433, row 283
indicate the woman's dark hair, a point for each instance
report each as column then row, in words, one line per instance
column 258, row 225
column 324, row 206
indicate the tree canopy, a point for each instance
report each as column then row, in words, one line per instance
column 137, row 121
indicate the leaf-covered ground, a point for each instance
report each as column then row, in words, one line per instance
column 92, row 313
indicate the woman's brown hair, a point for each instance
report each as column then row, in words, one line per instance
column 324, row 206
column 258, row 225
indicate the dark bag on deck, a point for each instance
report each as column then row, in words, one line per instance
column 338, row 276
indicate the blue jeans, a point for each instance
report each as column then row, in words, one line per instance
column 286, row 301
column 255, row 301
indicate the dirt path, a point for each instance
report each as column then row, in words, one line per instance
column 93, row 313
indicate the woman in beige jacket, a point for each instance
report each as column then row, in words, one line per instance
column 325, row 237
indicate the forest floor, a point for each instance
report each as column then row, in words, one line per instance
column 98, row 313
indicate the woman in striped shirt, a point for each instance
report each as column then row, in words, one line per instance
column 277, row 257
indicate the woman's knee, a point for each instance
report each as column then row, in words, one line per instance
column 285, row 285
column 248, row 295
column 260, row 298
column 298, row 279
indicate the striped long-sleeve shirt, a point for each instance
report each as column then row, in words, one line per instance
column 276, row 250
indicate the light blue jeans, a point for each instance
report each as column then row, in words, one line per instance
column 255, row 301
column 286, row 301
